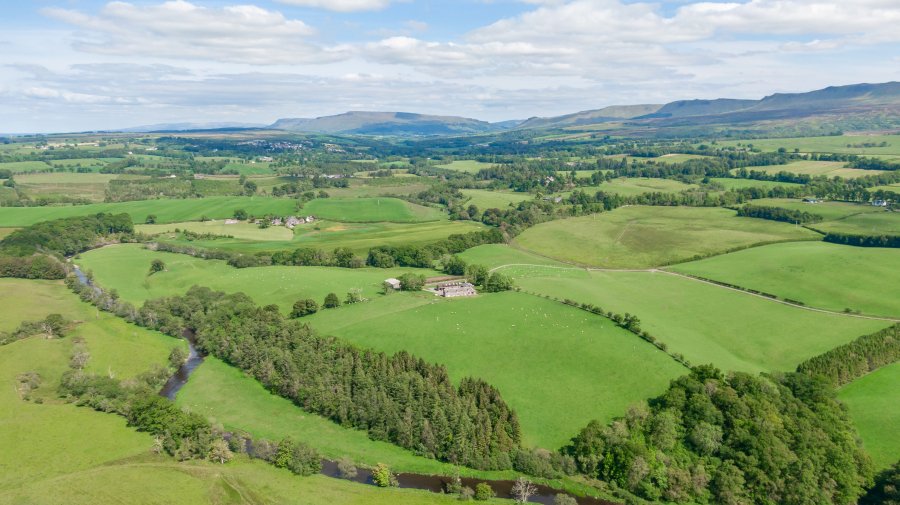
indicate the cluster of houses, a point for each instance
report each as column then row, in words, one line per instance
column 290, row 222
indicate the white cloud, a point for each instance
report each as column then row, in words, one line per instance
column 180, row 29
column 341, row 5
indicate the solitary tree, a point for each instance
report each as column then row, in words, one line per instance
column 383, row 477
column 522, row 490
column 331, row 301
column 220, row 452
column 156, row 266
column 177, row 357
column 240, row 214
column 151, row 219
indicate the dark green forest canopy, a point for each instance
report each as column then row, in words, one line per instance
column 65, row 236
column 735, row 439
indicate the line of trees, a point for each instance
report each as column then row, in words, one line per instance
column 848, row 362
column 399, row 399
column 863, row 240
column 778, row 214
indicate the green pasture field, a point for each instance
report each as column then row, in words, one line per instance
column 679, row 158
column 874, row 404
column 814, row 168
column 359, row 237
column 18, row 167
column 125, row 267
column 895, row 188
column 829, row 210
column 557, row 366
column 517, row 263
column 880, row 222
column 819, row 274
column 371, row 210
column 258, row 168
column 829, row 144
column 368, row 188
column 468, row 166
column 708, row 323
column 166, row 211
column 242, row 230
column 6, row 231
column 91, row 186
column 485, row 199
column 117, row 348
column 642, row 237
column 630, row 186
column 729, row 183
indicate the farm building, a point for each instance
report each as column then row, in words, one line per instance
column 393, row 283
column 879, row 203
column 454, row 289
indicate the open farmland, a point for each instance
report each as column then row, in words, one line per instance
column 125, row 268
column 590, row 359
column 729, row 183
column 90, row 186
column 844, row 144
column 242, row 230
column 630, row 186
column 819, row 274
column 359, row 237
column 484, row 199
column 19, row 167
column 641, row 237
column 469, row 166
column 816, row 168
column 367, row 210
column 708, row 323
column 874, row 404
column 166, row 211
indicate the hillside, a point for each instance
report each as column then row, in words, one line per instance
column 388, row 123
column 611, row 113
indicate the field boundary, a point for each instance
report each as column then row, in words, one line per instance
column 711, row 283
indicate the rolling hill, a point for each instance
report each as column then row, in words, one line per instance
column 389, row 123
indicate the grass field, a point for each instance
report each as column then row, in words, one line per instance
column 90, row 186
column 18, row 167
column 894, row 188
column 243, row 230
column 630, row 186
column 828, row 210
column 874, row 404
column 749, row 183
column 557, row 366
column 870, row 223
column 710, row 324
column 517, row 263
column 369, row 210
column 484, row 199
column 820, row 274
column 368, row 188
column 6, row 231
column 469, row 166
column 815, row 168
column 360, row 237
column 125, row 267
column 641, row 237
column 166, row 211
column 831, row 144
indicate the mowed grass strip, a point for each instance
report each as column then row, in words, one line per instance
column 166, row 211
column 125, row 268
column 729, row 183
column 711, row 324
column 816, row 168
column 819, row 274
column 557, row 366
column 874, row 404
column 371, row 210
column 644, row 237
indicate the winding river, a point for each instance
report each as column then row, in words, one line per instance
column 433, row 483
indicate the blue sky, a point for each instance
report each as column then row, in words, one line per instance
column 72, row 65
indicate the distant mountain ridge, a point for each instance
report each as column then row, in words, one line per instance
column 181, row 127
column 389, row 123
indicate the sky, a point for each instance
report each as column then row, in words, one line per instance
column 77, row 65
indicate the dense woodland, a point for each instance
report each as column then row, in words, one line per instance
column 731, row 439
